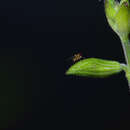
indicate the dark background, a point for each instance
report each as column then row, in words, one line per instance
column 37, row 38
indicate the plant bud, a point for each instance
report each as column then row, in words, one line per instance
column 93, row 67
column 118, row 16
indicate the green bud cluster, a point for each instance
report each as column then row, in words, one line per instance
column 118, row 16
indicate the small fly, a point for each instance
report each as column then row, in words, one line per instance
column 76, row 57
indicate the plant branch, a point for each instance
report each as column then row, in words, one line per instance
column 126, row 48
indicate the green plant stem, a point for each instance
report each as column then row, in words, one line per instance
column 126, row 48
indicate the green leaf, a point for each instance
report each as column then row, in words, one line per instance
column 94, row 67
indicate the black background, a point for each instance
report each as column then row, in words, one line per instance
column 37, row 38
